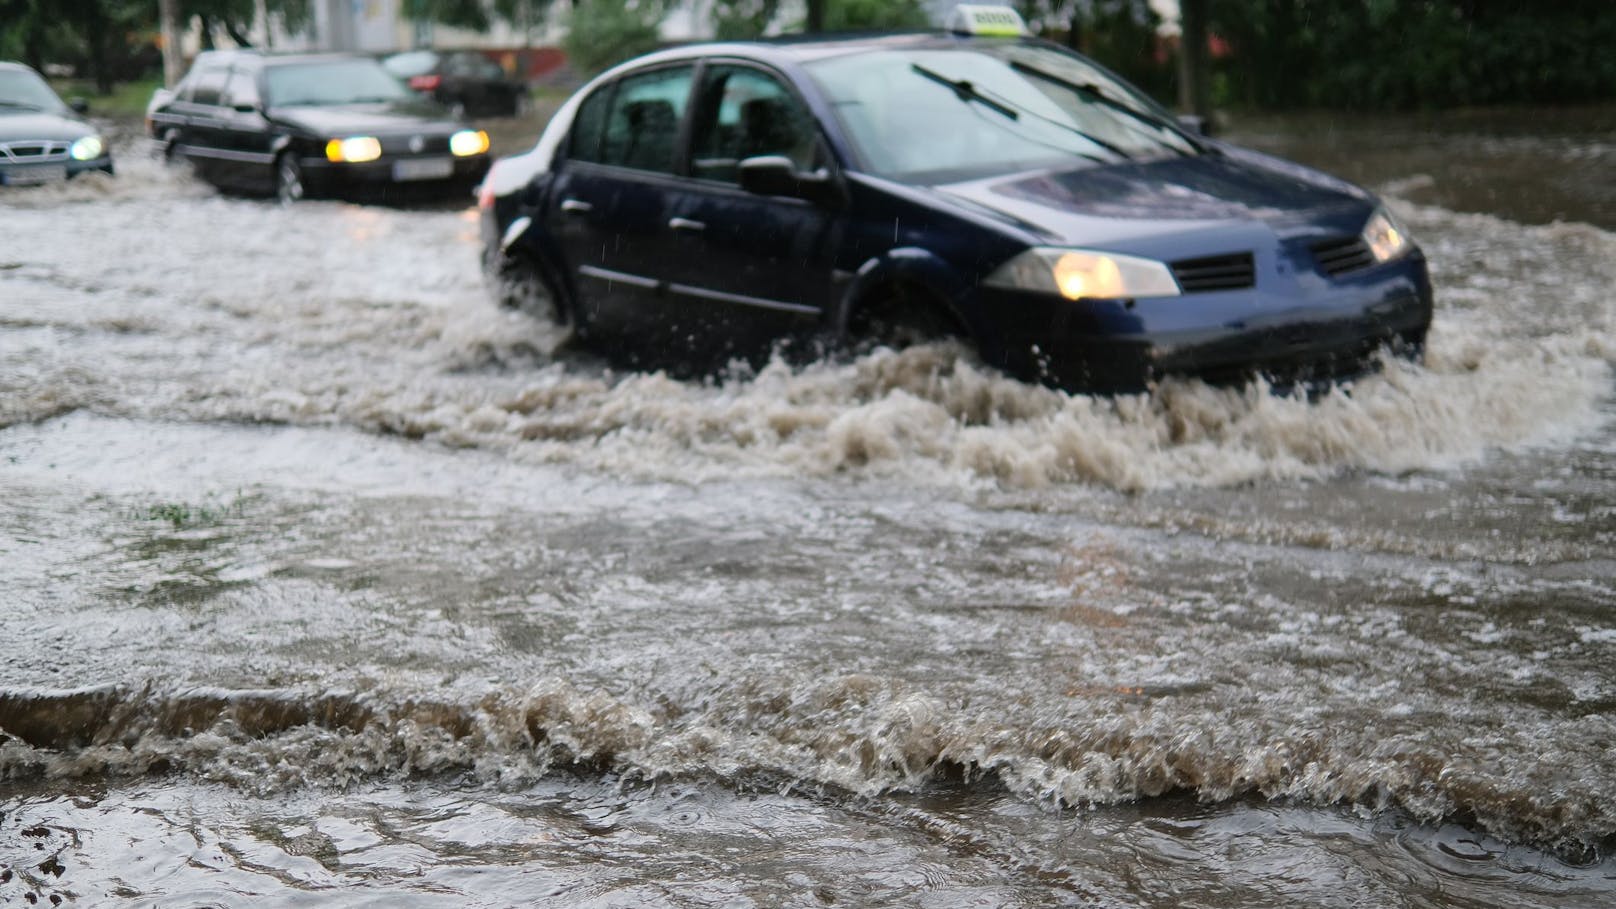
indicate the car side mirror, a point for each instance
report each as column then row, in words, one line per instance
column 1195, row 125
column 79, row 105
column 777, row 175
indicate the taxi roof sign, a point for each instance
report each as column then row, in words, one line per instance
column 986, row 21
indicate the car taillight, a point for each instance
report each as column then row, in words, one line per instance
column 425, row 83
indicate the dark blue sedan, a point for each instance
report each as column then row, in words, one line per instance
column 716, row 201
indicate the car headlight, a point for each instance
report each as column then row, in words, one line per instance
column 468, row 142
column 87, row 149
column 1079, row 273
column 1386, row 238
column 354, row 149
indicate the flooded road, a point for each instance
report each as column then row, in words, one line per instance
column 327, row 583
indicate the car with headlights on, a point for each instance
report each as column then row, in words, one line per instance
column 715, row 201
column 309, row 124
column 43, row 140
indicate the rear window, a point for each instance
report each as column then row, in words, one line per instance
column 207, row 85
column 639, row 126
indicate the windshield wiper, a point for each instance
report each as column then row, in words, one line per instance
column 1094, row 92
column 965, row 91
column 22, row 105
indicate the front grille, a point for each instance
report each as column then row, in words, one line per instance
column 1341, row 255
column 1231, row 272
column 32, row 152
column 406, row 145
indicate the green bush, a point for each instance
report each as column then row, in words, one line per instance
column 603, row 33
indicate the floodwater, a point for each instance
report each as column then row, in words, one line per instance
column 327, row 583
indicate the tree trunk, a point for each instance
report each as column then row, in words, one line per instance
column 205, row 28
column 1194, row 77
column 816, row 16
column 1074, row 29
column 95, row 35
column 168, row 22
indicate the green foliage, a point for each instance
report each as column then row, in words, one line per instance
column 90, row 34
column 183, row 514
column 740, row 20
column 1414, row 53
column 874, row 15
column 606, row 32
column 1122, row 36
column 476, row 15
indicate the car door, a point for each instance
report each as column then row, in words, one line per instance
column 202, row 130
column 245, row 137
column 750, row 268
column 608, row 208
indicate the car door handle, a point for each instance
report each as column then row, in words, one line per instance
column 686, row 224
column 576, row 206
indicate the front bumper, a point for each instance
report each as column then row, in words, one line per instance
column 323, row 175
column 35, row 173
column 1309, row 330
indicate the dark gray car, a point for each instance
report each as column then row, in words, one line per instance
column 43, row 140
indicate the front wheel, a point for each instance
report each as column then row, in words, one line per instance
column 901, row 320
column 288, row 179
column 519, row 284
column 168, row 147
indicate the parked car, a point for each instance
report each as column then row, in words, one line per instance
column 43, row 140
column 309, row 124
column 715, row 200
column 463, row 81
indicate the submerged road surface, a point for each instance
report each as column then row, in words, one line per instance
column 326, row 583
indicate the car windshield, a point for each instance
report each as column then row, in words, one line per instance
column 946, row 114
column 411, row 63
column 22, row 90
column 332, row 82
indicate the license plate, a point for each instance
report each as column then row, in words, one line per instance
column 423, row 169
column 28, row 176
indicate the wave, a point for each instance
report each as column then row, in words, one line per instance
column 854, row 733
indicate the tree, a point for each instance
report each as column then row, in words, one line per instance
column 742, row 19
column 604, row 32
column 236, row 17
column 873, row 15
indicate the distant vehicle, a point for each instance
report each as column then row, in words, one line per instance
column 463, row 81
column 43, row 140
column 710, row 201
column 309, row 124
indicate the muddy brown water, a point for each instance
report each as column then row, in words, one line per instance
column 327, row 583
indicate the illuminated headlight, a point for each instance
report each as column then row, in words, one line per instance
column 87, row 149
column 355, row 149
column 468, row 142
column 1385, row 238
column 1077, row 274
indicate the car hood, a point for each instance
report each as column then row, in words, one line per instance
column 24, row 125
column 1121, row 204
column 417, row 116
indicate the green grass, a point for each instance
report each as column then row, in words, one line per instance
column 182, row 514
column 126, row 100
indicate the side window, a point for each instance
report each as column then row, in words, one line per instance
column 642, row 126
column 587, row 125
column 241, row 90
column 206, row 85
column 745, row 113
